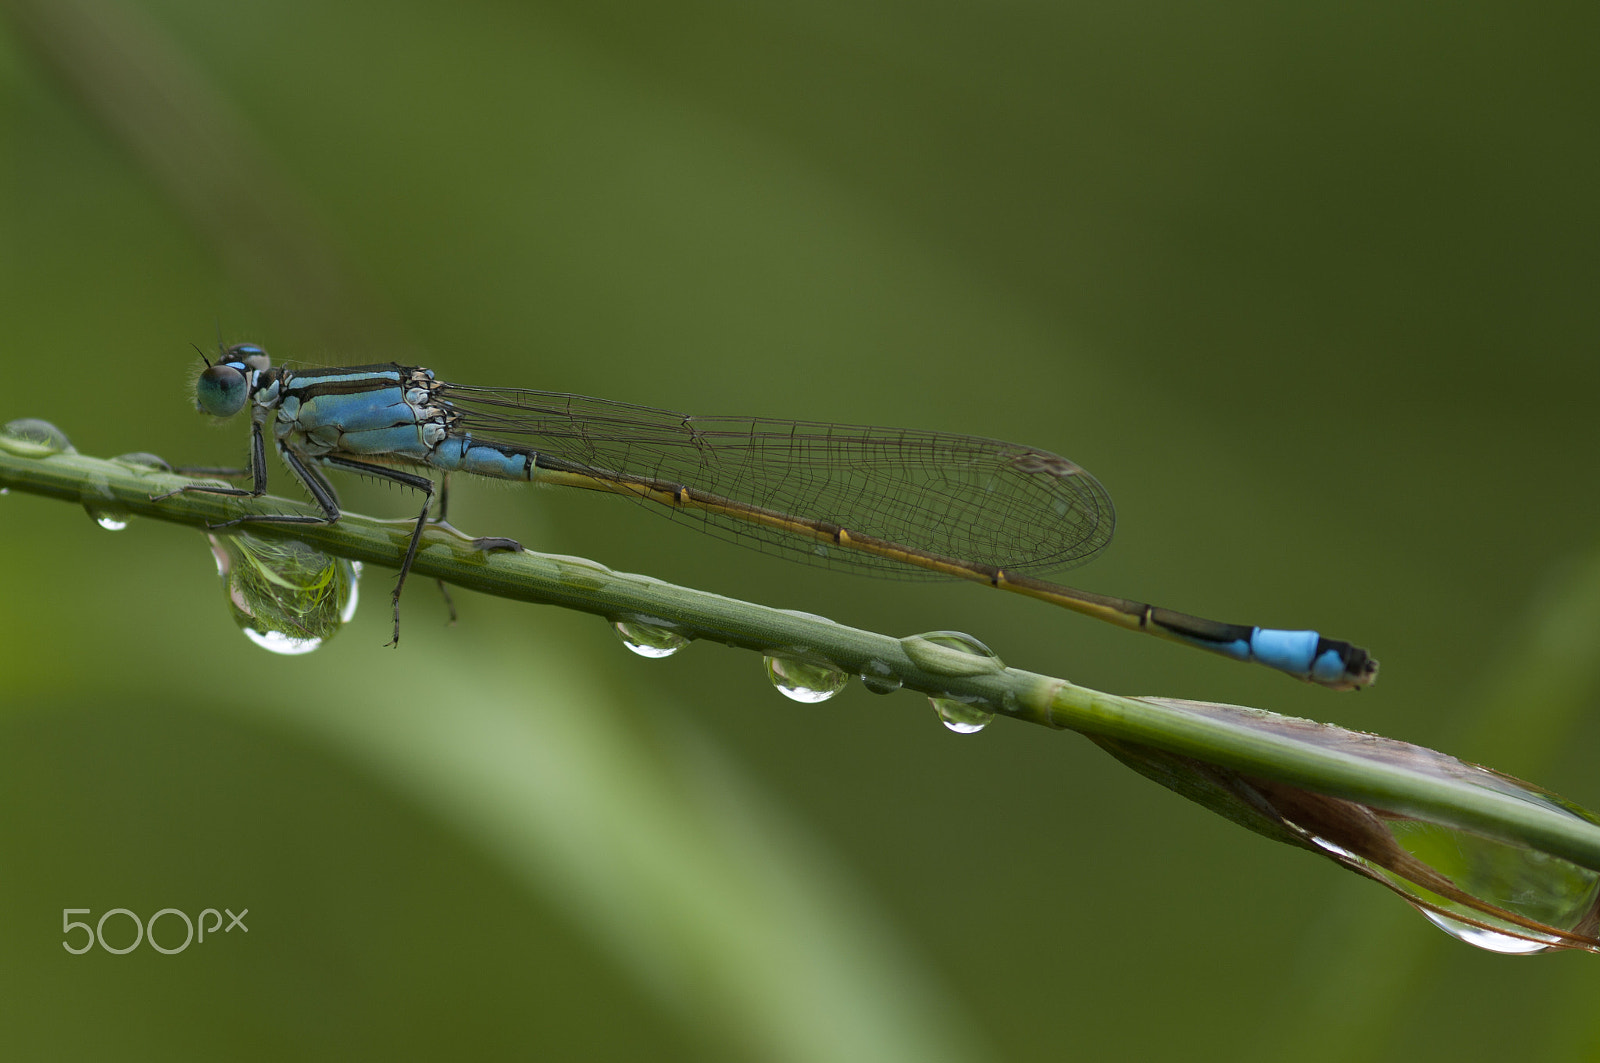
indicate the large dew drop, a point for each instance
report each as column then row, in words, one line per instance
column 286, row 596
column 648, row 640
column 962, row 719
column 33, row 438
column 1502, row 887
column 805, row 682
column 1525, row 884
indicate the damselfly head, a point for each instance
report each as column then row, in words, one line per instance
column 223, row 387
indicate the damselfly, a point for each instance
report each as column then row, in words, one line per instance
column 897, row 502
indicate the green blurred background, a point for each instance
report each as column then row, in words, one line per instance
column 1311, row 288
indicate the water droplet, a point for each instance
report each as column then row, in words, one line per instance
column 1515, row 880
column 1482, row 889
column 100, row 502
column 140, row 461
column 803, row 681
column 286, row 596
column 34, row 439
column 952, row 653
column 879, row 678
column 648, row 640
column 879, row 685
column 1485, row 939
column 962, row 719
column 1496, row 894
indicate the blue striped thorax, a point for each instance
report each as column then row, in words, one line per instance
column 374, row 411
column 383, row 412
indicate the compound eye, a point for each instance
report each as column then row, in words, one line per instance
column 220, row 391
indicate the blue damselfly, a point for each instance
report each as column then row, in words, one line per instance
column 897, row 502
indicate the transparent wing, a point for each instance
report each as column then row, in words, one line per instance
column 964, row 497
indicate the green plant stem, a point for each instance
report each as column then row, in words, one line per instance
column 586, row 586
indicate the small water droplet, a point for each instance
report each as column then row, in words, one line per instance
column 803, row 681
column 879, row 678
column 143, row 462
column 100, row 502
column 648, row 640
column 33, row 438
column 962, row 719
column 952, row 653
column 286, row 596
